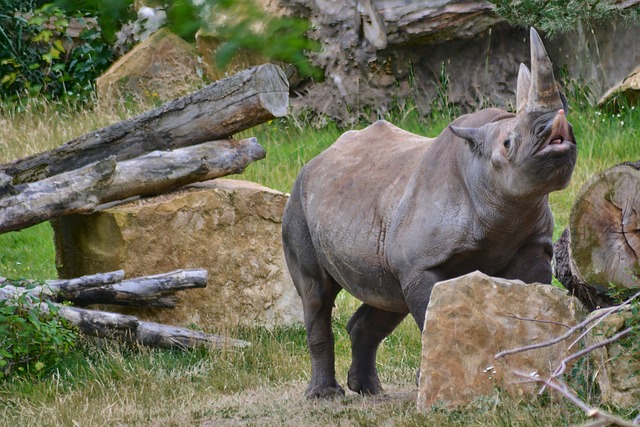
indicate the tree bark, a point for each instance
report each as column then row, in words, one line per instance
column 217, row 111
column 599, row 250
column 83, row 190
column 590, row 296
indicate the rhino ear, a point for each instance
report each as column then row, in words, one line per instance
column 471, row 135
column 522, row 91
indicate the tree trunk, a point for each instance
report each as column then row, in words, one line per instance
column 217, row 111
column 83, row 190
column 599, row 251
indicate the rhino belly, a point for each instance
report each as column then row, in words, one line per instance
column 361, row 273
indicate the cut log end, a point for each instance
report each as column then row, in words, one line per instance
column 273, row 89
column 605, row 229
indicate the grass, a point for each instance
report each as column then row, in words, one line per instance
column 104, row 383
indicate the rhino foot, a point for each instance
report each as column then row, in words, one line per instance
column 366, row 386
column 324, row 392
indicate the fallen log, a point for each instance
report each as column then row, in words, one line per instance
column 127, row 328
column 103, row 324
column 109, row 288
column 600, row 249
column 217, row 111
column 84, row 190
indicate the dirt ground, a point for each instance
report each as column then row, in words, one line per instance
column 286, row 405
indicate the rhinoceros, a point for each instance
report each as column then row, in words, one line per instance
column 386, row 214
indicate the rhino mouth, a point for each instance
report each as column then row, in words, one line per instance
column 560, row 139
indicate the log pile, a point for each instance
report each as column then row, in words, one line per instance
column 184, row 141
column 599, row 251
column 187, row 140
column 109, row 288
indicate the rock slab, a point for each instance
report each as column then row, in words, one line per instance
column 617, row 364
column 232, row 228
column 157, row 70
column 471, row 318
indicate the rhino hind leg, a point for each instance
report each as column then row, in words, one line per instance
column 318, row 291
column 318, row 305
column 367, row 328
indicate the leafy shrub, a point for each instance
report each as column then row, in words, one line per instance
column 38, row 57
column 32, row 341
column 558, row 16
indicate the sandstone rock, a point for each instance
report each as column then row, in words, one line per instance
column 208, row 43
column 231, row 228
column 628, row 91
column 617, row 365
column 161, row 68
column 471, row 318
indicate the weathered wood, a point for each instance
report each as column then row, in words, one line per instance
column 217, row 111
column 82, row 191
column 127, row 328
column 590, row 296
column 599, row 250
column 130, row 329
column 605, row 228
column 109, row 288
column 148, row 291
column 165, row 336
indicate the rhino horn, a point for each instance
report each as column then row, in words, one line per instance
column 522, row 91
column 543, row 91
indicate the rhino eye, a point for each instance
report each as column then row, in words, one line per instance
column 507, row 144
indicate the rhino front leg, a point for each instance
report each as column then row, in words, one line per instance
column 417, row 288
column 367, row 328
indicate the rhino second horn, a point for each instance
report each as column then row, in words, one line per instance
column 522, row 91
column 543, row 92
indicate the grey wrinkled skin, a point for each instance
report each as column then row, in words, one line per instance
column 385, row 214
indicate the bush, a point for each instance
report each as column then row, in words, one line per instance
column 33, row 341
column 558, row 16
column 39, row 57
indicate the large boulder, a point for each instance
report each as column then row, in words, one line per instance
column 627, row 91
column 618, row 363
column 231, row 228
column 471, row 318
column 157, row 70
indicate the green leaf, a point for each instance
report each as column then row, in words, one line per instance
column 44, row 36
column 58, row 45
